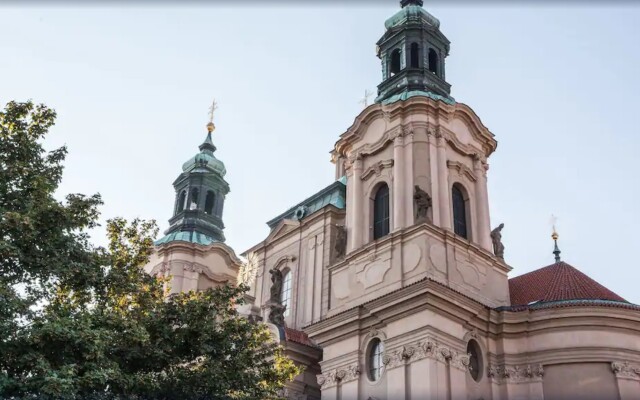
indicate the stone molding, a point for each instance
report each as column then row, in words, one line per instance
column 515, row 374
column 624, row 369
column 462, row 169
column 376, row 169
column 426, row 348
column 343, row 374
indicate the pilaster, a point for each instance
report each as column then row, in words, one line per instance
column 482, row 204
column 628, row 379
column 443, row 184
column 433, row 176
column 409, row 176
column 399, row 195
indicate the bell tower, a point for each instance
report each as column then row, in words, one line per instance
column 200, row 193
column 413, row 51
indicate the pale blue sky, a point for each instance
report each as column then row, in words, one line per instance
column 558, row 86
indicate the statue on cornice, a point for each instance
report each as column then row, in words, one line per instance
column 276, row 285
column 422, row 202
column 496, row 239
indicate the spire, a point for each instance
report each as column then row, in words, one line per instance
column 555, row 236
column 404, row 3
column 200, row 193
column 207, row 146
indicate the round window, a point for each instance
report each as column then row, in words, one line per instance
column 374, row 359
column 475, row 360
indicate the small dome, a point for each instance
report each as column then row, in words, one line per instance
column 411, row 12
column 206, row 160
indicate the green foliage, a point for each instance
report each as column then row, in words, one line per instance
column 78, row 322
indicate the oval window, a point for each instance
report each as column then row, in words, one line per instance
column 374, row 361
column 475, row 360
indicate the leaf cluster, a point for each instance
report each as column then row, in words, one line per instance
column 79, row 322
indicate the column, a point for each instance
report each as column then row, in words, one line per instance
column 398, row 183
column 357, row 218
column 482, row 206
column 408, row 178
column 433, row 177
column 317, row 280
column 444, row 193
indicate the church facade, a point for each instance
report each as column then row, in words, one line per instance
column 390, row 282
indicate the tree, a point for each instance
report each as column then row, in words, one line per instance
column 80, row 322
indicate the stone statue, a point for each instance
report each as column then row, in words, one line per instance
column 341, row 241
column 276, row 285
column 276, row 314
column 422, row 202
column 496, row 238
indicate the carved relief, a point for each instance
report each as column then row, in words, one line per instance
column 624, row 369
column 438, row 257
column 376, row 169
column 426, row 348
column 340, row 246
column 515, row 374
column 374, row 273
column 343, row 374
column 462, row 169
column 412, row 254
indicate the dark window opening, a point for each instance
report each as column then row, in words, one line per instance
column 182, row 200
column 209, row 202
column 194, row 199
column 415, row 55
column 381, row 212
column 395, row 61
column 459, row 212
column 475, row 360
column 433, row 61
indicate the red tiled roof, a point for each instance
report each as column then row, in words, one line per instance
column 293, row 335
column 557, row 282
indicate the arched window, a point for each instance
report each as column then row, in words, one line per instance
column 374, row 359
column 182, row 200
column 285, row 294
column 415, row 55
column 433, row 61
column 194, row 199
column 475, row 360
column 395, row 62
column 459, row 212
column 381, row 212
column 209, row 202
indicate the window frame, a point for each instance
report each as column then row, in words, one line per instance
column 375, row 360
column 286, row 292
column 381, row 224
column 463, row 201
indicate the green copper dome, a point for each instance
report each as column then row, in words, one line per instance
column 411, row 12
column 205, row 159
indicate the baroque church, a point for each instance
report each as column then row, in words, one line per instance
column 390, row 282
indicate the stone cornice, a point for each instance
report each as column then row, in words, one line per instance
column 186, row 266
column 402, row 110
column 503, row 373
column 198, row 249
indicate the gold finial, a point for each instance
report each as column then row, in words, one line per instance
column 212, row 109
column 555, row 236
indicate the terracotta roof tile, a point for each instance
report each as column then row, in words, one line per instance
column 293, row 335
column 557, row 282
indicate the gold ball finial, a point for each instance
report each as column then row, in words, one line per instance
column 555, row 235
column 210, row 127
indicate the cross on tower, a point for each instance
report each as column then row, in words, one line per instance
column 365, row 100
column 213, row 108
